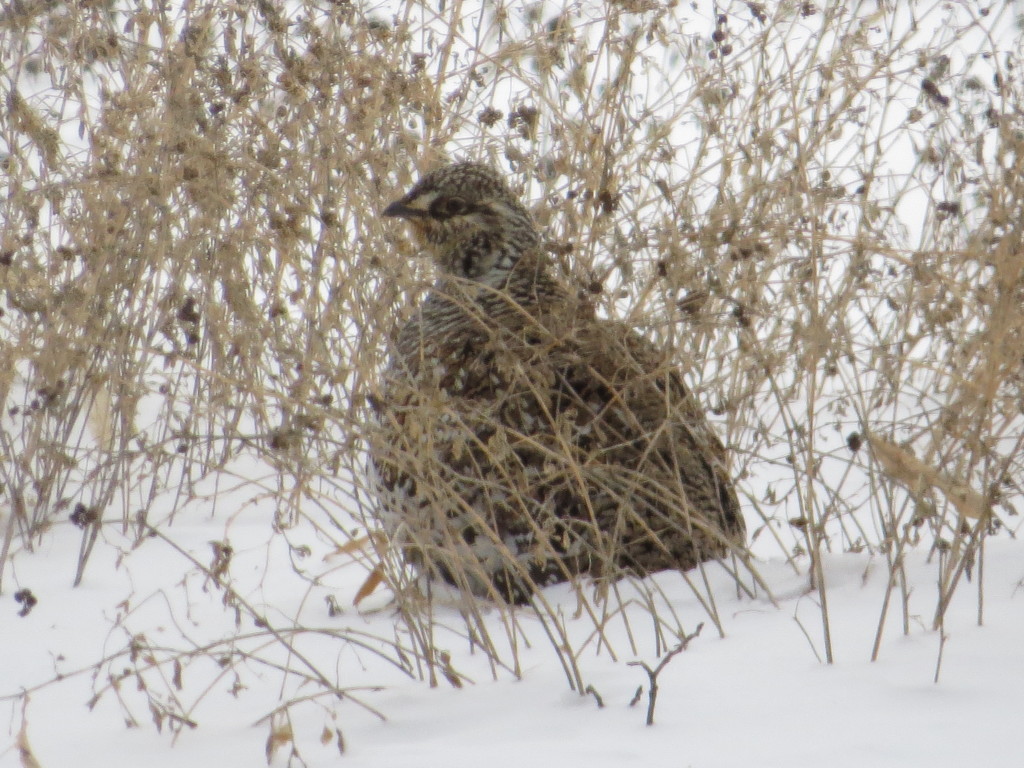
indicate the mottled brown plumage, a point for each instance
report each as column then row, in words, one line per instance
column 521, row 440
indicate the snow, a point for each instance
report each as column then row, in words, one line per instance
column 758, row 696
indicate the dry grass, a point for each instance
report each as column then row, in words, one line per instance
column 819, row 209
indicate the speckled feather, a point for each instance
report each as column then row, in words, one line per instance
column 521, row 440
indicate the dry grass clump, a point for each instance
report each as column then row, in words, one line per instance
column 819, row 209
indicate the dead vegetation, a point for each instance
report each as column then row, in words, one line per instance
column 818, row 208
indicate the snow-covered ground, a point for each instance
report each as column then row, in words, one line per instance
column 759, row 696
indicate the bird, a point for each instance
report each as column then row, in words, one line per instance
column 519, row 439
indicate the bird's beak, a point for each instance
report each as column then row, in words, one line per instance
column 399, row 209
column 414, row 205
column 402, row 210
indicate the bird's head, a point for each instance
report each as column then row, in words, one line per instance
column 469, row 221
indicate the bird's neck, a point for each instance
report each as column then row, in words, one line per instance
column 527, row 284
column 489, row 256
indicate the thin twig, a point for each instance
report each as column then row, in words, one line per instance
column 652, row 674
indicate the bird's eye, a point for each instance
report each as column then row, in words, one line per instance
column 446, row 207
